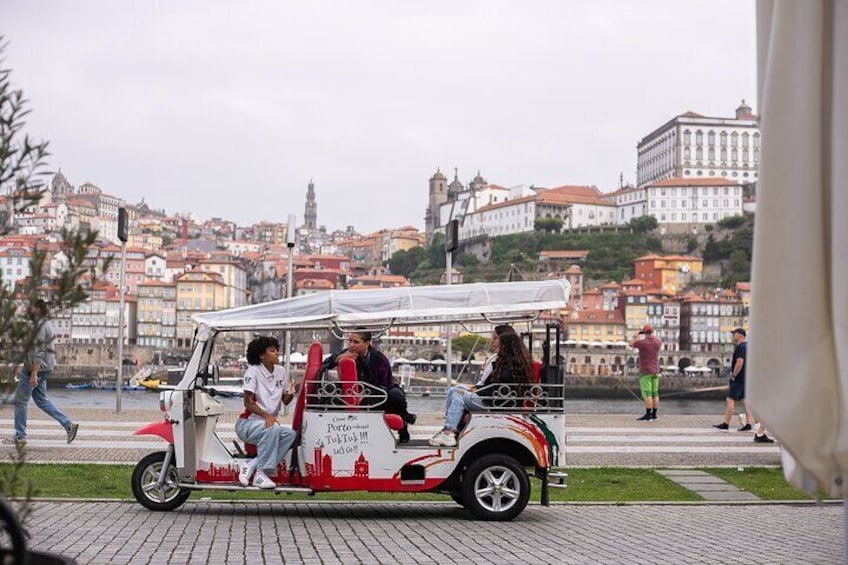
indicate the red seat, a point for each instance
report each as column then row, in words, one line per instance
column 537, row 372
column 313, row 365
column 394, row 421
column 348, row 376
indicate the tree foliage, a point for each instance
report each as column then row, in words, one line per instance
column 468, row 343
column 731, row 222
column 549, row 225
column 22, row 168
column 643, row 224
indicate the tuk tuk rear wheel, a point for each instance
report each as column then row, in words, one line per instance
column 495, row 487
column 144, row 484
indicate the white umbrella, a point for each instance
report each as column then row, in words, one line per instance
column 297, row 357
column 421, row 361
column 399, row 360
column 798, row 360
column 438, row 362
column 596, row 344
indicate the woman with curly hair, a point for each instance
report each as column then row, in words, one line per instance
column 266, row 388
column 510, row 371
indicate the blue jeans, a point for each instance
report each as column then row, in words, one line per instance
column 272, row 443
column 458, row 401
column 39, row 395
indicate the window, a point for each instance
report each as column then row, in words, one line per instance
column 711, row 138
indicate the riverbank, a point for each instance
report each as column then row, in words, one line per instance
column 604, row 387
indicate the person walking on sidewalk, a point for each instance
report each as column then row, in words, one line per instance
column 736, row 389
column 649, row 370
column 38, row 365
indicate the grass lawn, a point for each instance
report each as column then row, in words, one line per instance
column 766, row 483
column 113, row 481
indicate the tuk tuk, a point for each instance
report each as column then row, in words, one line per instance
column 345, row 443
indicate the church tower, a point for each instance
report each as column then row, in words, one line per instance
column 310, row 215
column 60, row 187
column 438, row 196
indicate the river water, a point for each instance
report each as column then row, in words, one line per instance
column 145, row 399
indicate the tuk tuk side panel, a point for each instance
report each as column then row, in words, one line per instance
column 356, row 451
column 527, row 430
column 226, row 470
column 553, row 426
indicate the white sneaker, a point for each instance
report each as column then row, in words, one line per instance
column 246, row 470
column 443, row 439
column 262, row 481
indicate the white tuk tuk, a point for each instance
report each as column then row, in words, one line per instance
column 343, row 444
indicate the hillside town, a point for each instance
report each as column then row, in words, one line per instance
column 693, row 171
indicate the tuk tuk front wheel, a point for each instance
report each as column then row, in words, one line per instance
column 145, row 479
column 495, row 487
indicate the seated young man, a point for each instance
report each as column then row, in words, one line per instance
column 375, row 369
column 266, row 388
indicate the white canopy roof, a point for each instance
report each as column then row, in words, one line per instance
column 379, row 308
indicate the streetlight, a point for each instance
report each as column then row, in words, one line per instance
column 290, row 241
column 451, row 244
column 123, row 232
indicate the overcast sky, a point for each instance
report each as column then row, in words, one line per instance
column 228, row 109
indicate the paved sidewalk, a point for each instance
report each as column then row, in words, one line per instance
column 327, row 532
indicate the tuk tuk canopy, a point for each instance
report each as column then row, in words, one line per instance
column 345, row 310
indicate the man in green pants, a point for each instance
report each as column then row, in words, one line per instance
column 649, row 370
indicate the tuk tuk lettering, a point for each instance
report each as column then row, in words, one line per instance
column 344, row 436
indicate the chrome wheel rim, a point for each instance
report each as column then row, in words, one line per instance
column 149, row 484
column 497, row 489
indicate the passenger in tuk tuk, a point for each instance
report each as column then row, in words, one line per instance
column 267, row 387
column 374, row 368
column 511, row 366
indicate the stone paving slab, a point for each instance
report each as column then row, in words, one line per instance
column 431, row 533
column 709, row 487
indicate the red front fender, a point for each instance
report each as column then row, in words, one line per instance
column 162, row 429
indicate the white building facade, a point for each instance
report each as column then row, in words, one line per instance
column 693, row 201
column 695, row 146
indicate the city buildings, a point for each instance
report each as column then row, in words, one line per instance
column 694, row 146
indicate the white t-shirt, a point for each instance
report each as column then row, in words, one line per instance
column 267, row 387
column 488, row 365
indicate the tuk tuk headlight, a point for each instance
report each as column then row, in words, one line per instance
column 165, row 400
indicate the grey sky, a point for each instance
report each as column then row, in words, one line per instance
column 228, row 110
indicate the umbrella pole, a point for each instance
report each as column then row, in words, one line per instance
column 845, row 534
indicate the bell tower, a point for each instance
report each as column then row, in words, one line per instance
column 310, row 214
column 438, row 196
